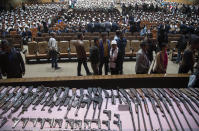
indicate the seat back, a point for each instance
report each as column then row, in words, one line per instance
column 32, row 48
column 42, row 47
column 72, row 46
column 135, row 45
column 128, row 46
column 63, row 46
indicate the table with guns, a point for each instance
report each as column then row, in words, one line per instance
column 99, row 109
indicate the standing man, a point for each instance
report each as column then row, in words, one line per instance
column 121, row 44
column 81, row 55
column 94, row 56
column 142, row 62
column 53, row 50
column 12, row 61
column 104, row 54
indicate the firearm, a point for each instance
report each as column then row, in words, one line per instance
column 188, row 91
column 70, row 122
column 118, row 122
column 167, row 109
column 71, row 101
column 190, row 96
column 5, row 93
column 42, row 122
column 154, row 106
column 59, row 122
column 122, row 91
column 194, row 90
column 16, row 121
column 179, row 107
column 118, row 96
column 62, row 100
column 27, row 103
column 185, row 105
column 107, row 97
column 108, row 113
column 134, row 93
column 107, row 123
column 79, row 123
column 39, row 98
column 87, row 122
column 95, row 101
column 3, row 122
column 50, row 121
column 187, row 100
column 88, row 101
column 80, row 101
column 2, row 88
column 100, row 101
column 49, row 99
column 6, row 99
column 113, row 97
column 25, row 121
column 20, row 102
column 34, row 121
column 97, row 121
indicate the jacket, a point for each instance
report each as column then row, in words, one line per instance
column 142, row 63
column 94, row 54
column 102, row 49
column 12, row 63
column 81, row 53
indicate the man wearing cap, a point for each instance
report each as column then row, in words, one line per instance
column 142, row 62
column 53, row 51
column 114, row 58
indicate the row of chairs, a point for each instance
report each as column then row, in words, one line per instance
column 39, row 50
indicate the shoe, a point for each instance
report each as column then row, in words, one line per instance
column 57, row 68
column 88, row 74
column 79, row 75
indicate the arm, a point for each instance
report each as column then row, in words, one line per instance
column 21, row 63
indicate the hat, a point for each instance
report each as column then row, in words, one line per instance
column 113, row 42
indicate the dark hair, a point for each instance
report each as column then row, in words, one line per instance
column 163, row 45
column 96, row 39
column 143, row 44
column 6, row 43
column 194, row 40
column 79, row 35
column 118, row 32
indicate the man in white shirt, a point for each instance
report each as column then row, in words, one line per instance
column 53, row 51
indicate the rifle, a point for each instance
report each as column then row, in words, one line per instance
column 134, row 93
column 113, row 97
column 88, row 101
column 80, row 101
column 87, row 122
column 59, row 122
column 16, row 121
column 49, row 99
column 107, row 97
column 139, row 91
column 118, row 96
column 185, row 105
column 122, row 91
column 50, row 121
column 190, row 96
column 191, row 93
column 34, row 121
column 2, row 88
column 62, row 100
column 5, row 93
column 108, row 113
column 40, row 98
column 153, row 105
column 71, row 101
column 95, row 101
column 167, row 108
column 107, row 123
column 3, row 122
column 25, row 121
column 133, row 98
column 97, row 121
column 179, row 107
column 41, row 121
column 187, row 100
column 100, row 101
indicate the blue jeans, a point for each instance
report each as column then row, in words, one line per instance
column 179, row 56
column 53, row 55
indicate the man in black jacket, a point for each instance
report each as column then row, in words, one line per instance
column 12, row 61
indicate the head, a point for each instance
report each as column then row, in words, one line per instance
column 6, row 46
column 163, row 47
column 144, row 46
column 194, row 42
column 53, row 34
column 113, row 44
column 118, row 33
column 80, row 36
column 104, row 36
column 96, row 41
